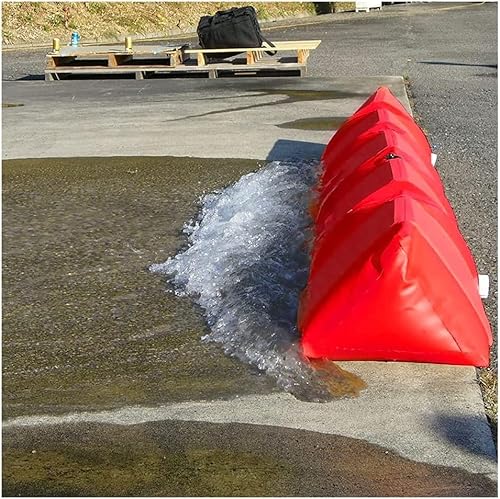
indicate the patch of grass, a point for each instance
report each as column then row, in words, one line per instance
column 96, row 7
column 488, row 380
column 39, row 22
column 344, row 6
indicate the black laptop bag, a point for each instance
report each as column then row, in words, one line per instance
column 233, row 28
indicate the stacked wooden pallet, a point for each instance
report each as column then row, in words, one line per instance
column 256, row 60
column 147, row 60
column 112, row 60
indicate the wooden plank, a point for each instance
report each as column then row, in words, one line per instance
column 175, row 58
column 200, row 58
column 132, row 69
column 55, row 61
column 305, row 44
column 183, row 56
column 250, row 57
column 302, row 56
column 279, row 46
column 112, row 60
column 119, row 59
column 117, row 49
column 178, row 57
column 265, row 64
column 50, row 63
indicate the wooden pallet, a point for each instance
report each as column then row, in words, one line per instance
column 111, row 59
column 302, row 49
column 147, row 61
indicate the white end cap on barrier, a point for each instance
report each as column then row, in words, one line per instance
column 484, row 285
column 433, row 159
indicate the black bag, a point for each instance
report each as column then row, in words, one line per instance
column 233, row 28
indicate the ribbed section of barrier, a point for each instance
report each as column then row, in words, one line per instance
column 391, row 276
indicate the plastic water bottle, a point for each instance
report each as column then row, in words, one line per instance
column 75, row 39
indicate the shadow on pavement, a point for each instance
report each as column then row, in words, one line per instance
column 468, row 432
column 31, row 78
column 284, row 149
column 494, row 66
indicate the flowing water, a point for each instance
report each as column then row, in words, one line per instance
column 316, row 123
column 86, row 326
column 246, row 263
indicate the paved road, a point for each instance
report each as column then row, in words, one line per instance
column 448, row 53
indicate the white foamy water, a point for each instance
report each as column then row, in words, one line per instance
column 246, row 264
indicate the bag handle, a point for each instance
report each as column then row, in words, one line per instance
column 270, row 44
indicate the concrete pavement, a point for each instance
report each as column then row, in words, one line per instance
column 428, row 413
column 226, row 118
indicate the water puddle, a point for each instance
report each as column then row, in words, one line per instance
column 8, row 104
column 327, row 123
column 91, row 328
column 338, row 381
column 199, row 459
column 245, row 264
column 290, row 97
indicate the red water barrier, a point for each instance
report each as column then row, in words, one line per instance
column 391, row 276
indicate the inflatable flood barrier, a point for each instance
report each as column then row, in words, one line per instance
column 391, row 276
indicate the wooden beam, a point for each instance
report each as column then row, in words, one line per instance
column 279, row 46
column 250, row 57
column 302, row 56
column 200, row 59
column 54, row 61
column 112, row 60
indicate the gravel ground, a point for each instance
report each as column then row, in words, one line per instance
column 448, row 53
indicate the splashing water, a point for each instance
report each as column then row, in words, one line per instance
column 246, row 264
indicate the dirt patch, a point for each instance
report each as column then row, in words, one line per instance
column 38, row 22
